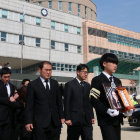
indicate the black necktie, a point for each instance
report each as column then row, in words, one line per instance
column 111, row 79
column 82, row 83
column 47, row 86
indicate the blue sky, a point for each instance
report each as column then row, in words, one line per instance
column 121, row 13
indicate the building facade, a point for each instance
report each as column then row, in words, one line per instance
column 100, row 38
column 85, row 9
column 27, row 38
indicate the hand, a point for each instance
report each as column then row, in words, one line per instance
column 128, row 113
column 16, row 96
column 68, row 122
column 12, row 99
column 113, row 112
column 29, row 127
column 62, row 121
column 93, row 121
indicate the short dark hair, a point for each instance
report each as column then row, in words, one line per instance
column 24, row 80
column 5, row 70
column 108, row 57
column 81, row 67
column 43, row 63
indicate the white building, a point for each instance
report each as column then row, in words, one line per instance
column 56, row 37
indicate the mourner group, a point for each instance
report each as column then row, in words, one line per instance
column 36, row 111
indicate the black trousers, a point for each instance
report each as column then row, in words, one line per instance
column 6, row 132
column 50, row 133
column 74, row 132
column 111, row 132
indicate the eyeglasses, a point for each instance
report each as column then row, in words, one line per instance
column 85, row 72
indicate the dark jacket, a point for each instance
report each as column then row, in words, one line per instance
column 43, row 106
column 77, row 106
column 101, row 104
column 7, row 108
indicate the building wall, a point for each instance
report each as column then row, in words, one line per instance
column 13, row 27
column 96, row 41
column 91, row 7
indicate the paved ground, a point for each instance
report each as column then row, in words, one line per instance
column 127, row 132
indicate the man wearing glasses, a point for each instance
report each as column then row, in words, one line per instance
column 79, row 115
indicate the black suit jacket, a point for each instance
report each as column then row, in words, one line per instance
column 41, row 106
column 77, row 106
column 7, row 108
column 101, row 105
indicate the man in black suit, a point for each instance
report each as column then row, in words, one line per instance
column 78, row 111
column 109, row 119
column 44, row 110
column 8, row 105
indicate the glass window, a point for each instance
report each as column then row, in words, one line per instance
column 79, row 50
column 52, row 44
column 54, row 66
column 70, row 7
column 79, row 10
column 66, row 47
column 70, row 67
column 74, row 67
column 52, row 24
column 85, row 11
column 21, row 18
column 38, row 21
column 39, row 3
column 78, row 30
column 21, row 39
column 62, row 67
column 3, row 36
column 66, row 67
column 58, row 66
column 66, row 28
column 60, row 5
column 50, row 4
column 38, row 42
column 4, row 13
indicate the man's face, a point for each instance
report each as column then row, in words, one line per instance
column 82, row 75
column 5, row 78
column 26, row 83
column 46, row 71
column 110, row 67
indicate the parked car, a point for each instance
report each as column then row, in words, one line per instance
column 134, row 120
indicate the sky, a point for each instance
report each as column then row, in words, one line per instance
column 121, row 13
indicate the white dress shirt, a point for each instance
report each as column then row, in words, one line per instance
column 8, row 89
column 44, row 83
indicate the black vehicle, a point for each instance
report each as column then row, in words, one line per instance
column 134, row 120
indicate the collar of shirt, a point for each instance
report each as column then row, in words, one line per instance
column 78, row 80
column 107, row 75
column 44, row 83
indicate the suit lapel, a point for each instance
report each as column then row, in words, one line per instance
column 41, row 86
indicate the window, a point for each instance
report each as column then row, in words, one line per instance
column 52, row 44
column 38, row 42
column 74, row 67
column 79, row 10
column 70, row 67
column 50, row 4
column 39, row 3
column 66, row 28
column 21, row 18
column 38, row 21
column 21, row 39
column 79, row 50
column 66, row 47
column 3, row 36
column 78, row 30
column 58, row 66
column 85, row 11
column 4, row 13
column 66, row 67
column 70, row 7
column 54, row 66
column 52, row 24
column 62, row 67
column 60, row 5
